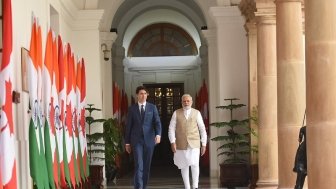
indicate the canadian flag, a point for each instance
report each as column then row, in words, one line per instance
column 81, row 116
column 7, row 137
column 82, row 119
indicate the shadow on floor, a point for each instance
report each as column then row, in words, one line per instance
column 164, row 177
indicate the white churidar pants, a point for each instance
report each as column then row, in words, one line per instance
column 185, row 158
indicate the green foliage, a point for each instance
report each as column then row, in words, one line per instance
column 236, row 145
column 254, row 120
column 113, row 141
column 95, row 147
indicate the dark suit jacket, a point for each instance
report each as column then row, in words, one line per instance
column 146, row 129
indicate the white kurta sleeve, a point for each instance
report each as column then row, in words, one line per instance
column 201, row 128
column 172, row 128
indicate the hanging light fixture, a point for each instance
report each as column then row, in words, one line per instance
column 106, row 52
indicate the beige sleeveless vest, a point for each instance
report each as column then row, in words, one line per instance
column 187, row 130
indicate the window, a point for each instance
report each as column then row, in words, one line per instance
column 162, row 39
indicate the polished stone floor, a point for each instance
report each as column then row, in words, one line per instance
column 163, row 178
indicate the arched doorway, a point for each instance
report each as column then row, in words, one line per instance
column 159, row 52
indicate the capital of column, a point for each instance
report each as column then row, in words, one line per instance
column 248, row 7
column 210, row 36
column 265, row 8
column 108, row 38
column 266, row 20
column 266, row 11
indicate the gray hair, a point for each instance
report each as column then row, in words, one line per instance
column 187, row 95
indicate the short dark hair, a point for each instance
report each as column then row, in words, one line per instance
column 139, row 88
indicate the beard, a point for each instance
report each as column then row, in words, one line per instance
column 186, row 107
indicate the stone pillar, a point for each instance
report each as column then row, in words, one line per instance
column 320, row 29
column 248, row 7
column 203, row 51
column 107, row 38
column 253, row 84
column 210, row 36
column 291, row 85
column 267, row 95
column 118, row 55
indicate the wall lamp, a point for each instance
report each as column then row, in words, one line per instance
column 106, row 52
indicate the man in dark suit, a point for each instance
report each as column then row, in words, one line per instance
column 143, row 132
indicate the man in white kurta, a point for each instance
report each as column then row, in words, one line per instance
column 188, row 140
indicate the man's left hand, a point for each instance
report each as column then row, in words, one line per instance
column 203, row 149
column 157, row 139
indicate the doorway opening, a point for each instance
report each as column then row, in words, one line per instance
column 167, row 98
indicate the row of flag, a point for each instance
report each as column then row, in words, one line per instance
column 57, row 91
column 120, row 104
column 7, row 135
column 202, row 104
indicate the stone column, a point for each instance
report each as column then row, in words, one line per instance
column 211, row 38
column 248, row 7
column 320, row 43
column 251, row 29
column 291, row 85
column 203, row 52
column 267, row 95
column 118, row 55
column 107, row 38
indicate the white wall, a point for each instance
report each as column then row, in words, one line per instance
column 231, row 68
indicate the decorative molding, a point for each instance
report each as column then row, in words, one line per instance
column 80, row 19
column 265, row 8
column 88, row 20
column 226, row 15
column 163, row 69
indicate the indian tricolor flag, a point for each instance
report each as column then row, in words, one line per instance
column 54, row 115
column 7, row 137
column 70, row 103
column 43, row 164
column 59, row 83
column 64, row 135
column 49, row 126
column 34, row 129
column 73, row 97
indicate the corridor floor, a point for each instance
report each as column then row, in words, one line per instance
column 164, row 178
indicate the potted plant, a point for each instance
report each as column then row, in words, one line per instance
column 95, row 147
column 113, row 147
column 235, row 146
